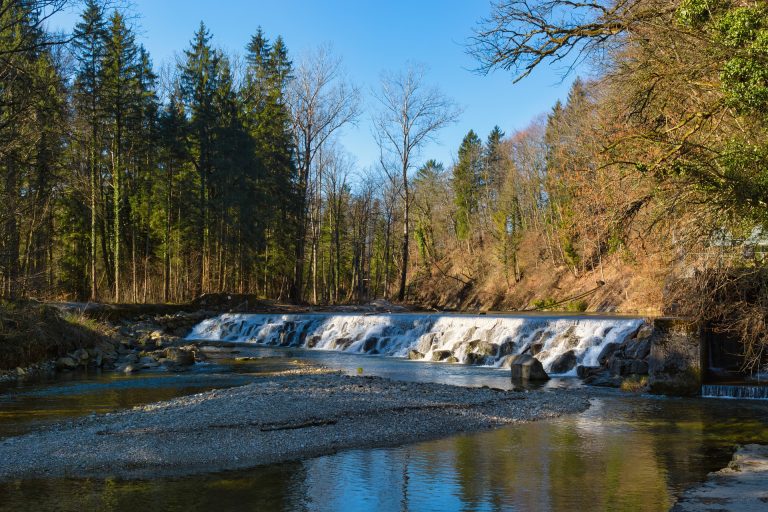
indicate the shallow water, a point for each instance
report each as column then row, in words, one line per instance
column 624, row 453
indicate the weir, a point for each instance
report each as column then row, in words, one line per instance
column 741, row 391
column 559, row 342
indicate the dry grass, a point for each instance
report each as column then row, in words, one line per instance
column 479, row 281
column 31, row 332
column 635, row 384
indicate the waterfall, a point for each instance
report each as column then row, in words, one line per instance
column 735, row 391
column 486, row 340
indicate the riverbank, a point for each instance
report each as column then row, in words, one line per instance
column 741, row 487
column 33, row 334
column 289, row 416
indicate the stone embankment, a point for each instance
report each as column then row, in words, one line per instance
column 132, row 345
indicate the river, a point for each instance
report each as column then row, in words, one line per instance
column 627, row 452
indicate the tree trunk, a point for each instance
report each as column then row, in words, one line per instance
column 406, row 235
column 12, row 230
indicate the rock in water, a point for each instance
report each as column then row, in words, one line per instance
column 525, row 367
column 415, row 355
column 66, row 363
column 564, row 363
column 180, row 357
column 441, row 355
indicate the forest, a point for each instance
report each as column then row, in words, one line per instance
column 644, row 192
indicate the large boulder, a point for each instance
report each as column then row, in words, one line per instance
column 564, row 363
column 370, row 344
column 441, row 355
column 525, row 367
column 483, row 348
column 507, row 348
column 179, row 356
column 66, row 363
column 426, row 342
column 415, row 355
column 478, row 359
column 605, row 354
column 81, row 356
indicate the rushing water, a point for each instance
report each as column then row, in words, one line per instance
column 485, row 340
column 626, row 453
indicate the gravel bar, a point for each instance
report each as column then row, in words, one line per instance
column 290, row 416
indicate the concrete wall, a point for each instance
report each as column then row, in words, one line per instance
column 677, row 356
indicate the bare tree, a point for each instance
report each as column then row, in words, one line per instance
column 411, row 115
column 521, row 34
column 321, row 101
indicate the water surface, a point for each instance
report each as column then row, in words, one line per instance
column 632, row 453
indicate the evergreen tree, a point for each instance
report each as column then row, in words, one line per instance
column 89, row 42
column 199, row 82
column 121, row 87
column 466, row 180
column 268, row 121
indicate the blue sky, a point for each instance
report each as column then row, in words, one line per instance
column 370, row 36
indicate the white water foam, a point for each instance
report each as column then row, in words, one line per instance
column 476, row 339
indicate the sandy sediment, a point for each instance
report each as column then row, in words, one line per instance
column 278, row 418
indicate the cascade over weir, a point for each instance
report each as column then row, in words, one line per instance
column 487, row 340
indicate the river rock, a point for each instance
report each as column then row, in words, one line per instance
column 370, row 344
column 148, row 362
column 564, row 363
column 477, row 359
column 507, row 348
column 584, row 372
column 66, row 363
column 606, row 353
column 482, row 348
column 525, row 367
column 81, row 356
column 441, row 355
column 415, row 355
column 179, row 356
column 506, row 361
column 129, row 368
column 426, row 342
column 638, row 349
column 644, row 332
column 97, row 358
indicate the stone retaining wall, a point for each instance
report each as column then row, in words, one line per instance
column 677, row 353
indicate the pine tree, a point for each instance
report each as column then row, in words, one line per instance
column 199, row 81
column 120, row 92
column 89, row 42
column 466, row 178
column 268, row 121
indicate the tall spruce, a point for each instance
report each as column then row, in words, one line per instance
column 89, row 42
column 199, row 82
column 121, row 95
column 466, row 180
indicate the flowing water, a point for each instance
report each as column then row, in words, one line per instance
column 486, row 340
column 743, row 391
column 626, row 453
